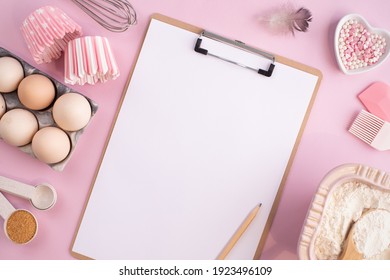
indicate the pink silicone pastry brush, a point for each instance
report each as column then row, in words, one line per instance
column 372, row 130
column 376, row 99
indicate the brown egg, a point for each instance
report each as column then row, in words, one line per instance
column 51, row 145
column 11, row 73
column 36, row 92
column 18, row 126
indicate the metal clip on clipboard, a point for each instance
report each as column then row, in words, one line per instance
column 236, row 44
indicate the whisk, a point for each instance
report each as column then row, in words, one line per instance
column 114, row 15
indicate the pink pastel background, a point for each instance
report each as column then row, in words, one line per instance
column 325, row 143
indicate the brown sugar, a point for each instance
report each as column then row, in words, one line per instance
column 21, row 226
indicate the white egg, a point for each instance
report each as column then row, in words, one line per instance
column 18, row 126
column 51, row 145
column 71, row 111
column 11, row 73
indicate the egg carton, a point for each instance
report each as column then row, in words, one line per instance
column 45, row 117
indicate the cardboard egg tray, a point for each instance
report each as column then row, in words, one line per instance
column 44, row 117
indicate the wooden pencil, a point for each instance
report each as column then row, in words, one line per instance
column 245, row 224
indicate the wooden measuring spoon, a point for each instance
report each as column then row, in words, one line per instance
column 372, row 216
column 350, row 252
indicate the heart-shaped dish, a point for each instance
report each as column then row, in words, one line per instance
column 381, row 32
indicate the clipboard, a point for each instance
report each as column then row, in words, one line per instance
column 194, row 147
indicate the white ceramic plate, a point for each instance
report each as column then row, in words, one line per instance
column 372, row 30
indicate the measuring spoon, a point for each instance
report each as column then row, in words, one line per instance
column 350, row 252
column 20, row 225
column 42, row 196
column 376, row 225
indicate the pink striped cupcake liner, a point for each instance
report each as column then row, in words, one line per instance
column 89, row 60
column 47, row 32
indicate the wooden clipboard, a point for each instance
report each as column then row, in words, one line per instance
column 75, row 249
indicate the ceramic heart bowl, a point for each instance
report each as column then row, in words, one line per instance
column 358, row 46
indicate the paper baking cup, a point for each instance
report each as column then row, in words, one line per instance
column 47, row 32
column 89, row 60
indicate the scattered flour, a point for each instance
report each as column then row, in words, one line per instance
column 344, row 206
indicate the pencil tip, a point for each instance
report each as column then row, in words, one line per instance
column 260, row 204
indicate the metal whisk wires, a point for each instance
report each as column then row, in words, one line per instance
column 114, row 15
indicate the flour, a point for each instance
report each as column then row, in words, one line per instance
column 344, row 206
column 372, row 233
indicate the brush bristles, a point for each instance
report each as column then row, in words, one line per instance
column 366, row 126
